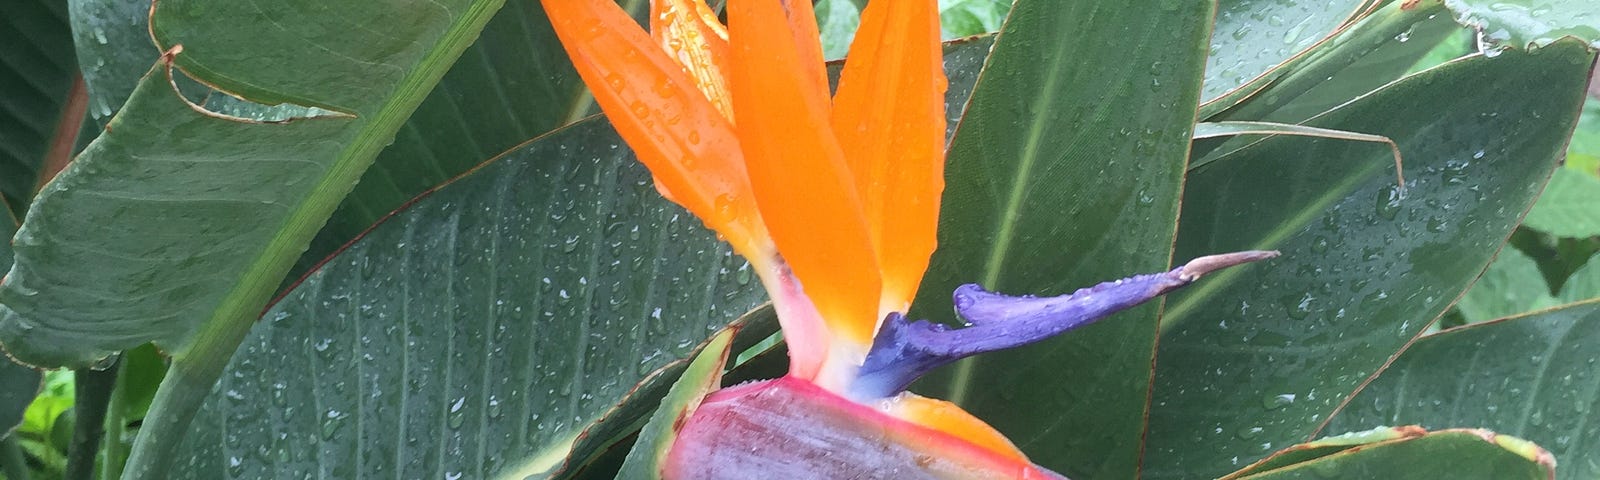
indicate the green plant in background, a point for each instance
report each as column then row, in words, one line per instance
column 531, row 297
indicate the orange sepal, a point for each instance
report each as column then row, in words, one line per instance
column 798, row 173
column 888, row 116
column 950, row 419
column 689, row 32
column 689, row 146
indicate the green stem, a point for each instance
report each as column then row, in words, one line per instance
column 186, row 387
column 12, row 463
column 94, row 389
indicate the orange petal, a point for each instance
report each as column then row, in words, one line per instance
column 807, row 41
column 889, row 118
column 948, row 418
column 801, row 182
column 688, row 145
column 690, row 32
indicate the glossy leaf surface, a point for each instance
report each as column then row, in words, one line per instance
column 1533, row 377
column 1255, row 359
column 37, row 70
column 479, row 331
column 1456, row 454
column 515, row 83
column 178, row 223
column 1065, row 172
column 1525, row 23
column 1254, row 38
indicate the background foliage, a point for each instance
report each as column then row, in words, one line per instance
column 510, row 316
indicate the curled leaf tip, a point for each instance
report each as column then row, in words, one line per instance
column 904, row 350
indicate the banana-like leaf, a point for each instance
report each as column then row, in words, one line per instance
column 1064, row 172
column 513, row 84
column 41, row 102
column 1253, row 361
column 484, row 330
column 176, row 225
column 1407, row 453
column 1532, row 376
column 1255, row 39
column 591, row 202
column 1530, row 23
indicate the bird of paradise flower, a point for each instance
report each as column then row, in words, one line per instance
column 835, row 203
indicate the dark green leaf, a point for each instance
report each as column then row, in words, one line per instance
column 481, row 330
column 1530, row 23
column 1256, row 358
column 18, row 386
column 1373, row 52
column 114, row 50
column 1255, row 38
column 1454, row 454
column 702, row 376
column 37, row 71
column 515, row 83
column 1533, row 377
column 1511, row 285
column 1569, row 207
column 177, row 224
column 1065, row 172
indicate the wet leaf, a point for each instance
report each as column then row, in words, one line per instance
column 179, row 223
column 1533, row 377
column 1455, row 454
column 481, row 330
column 38, row 72
column 1254, row 39
column 1047, row 190
column 1530, row 23
column 1255, row 359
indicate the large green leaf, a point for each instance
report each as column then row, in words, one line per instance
column 1533, row 377
column 177, row 224
column 1255, row 39
column 114, row 50
column 479, row 331
column 1530, row 23
column 1379, row 48
column 1064, row 172
column 1454, row 454
column 1256, row 359
column 37, row 74
column 18, row 386
column 513, row 84
column 590, row 207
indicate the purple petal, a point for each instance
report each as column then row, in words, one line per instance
column 904, row 350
